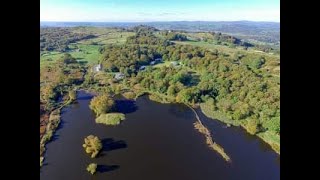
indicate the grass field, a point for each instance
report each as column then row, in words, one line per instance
column 88, row 50
column 165, row 63
column 87, row 53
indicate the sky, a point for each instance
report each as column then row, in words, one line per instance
column 159, row 10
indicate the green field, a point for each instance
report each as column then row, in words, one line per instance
column 87, row 53
column 87, row 50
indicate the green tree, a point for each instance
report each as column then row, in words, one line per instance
column 92, row 145
column 48, row 93
column 252, row 126
column 185, row 96
column 67, row 59
column 72, row 95
column 273, row 124
column 171, row 90
column 257, row 63
column 101, row 104
column 92, row 168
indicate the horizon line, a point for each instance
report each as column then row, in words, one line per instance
column 156, row 21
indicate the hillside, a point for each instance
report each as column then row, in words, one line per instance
column 266, row 32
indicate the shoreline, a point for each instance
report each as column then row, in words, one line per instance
column 51, row 127
column 262, row 135
column 161, row 98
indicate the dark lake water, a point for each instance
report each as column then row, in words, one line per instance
column 155, row 142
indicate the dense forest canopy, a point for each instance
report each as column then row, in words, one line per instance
column 242, row 91
column 58, row 38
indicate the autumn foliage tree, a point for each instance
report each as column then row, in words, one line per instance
column 92, row 168
column 101, row 104
column 92, row 145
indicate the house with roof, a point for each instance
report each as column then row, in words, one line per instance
column 152, row 62
column 97, row 68
column 158, row 59
column 174, row 63
column 142, row 68
column 119, row 76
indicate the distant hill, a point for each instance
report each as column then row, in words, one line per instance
column 252, row 31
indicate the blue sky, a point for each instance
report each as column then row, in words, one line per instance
column 159, row 10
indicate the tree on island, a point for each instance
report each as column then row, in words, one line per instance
column 92, row 168
column 92, row 145
column 101, row 104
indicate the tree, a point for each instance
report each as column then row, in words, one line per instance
column 92, row 145
column 92, row 168
column 252, row 126
column 171, row 90
column 184, row 96
column 72, row 95
column 273, row 124
column 67, row 59
column 48, row 93
column 101, row 104
column 257, row 63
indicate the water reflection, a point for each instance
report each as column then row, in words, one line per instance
column 125, row 106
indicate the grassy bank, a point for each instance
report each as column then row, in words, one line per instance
column 52, row 125
column 154, row 96
column 110, row 118
column 270, row 138
column 160, row 98
column 217, row 115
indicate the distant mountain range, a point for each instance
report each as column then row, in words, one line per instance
column 259, row 32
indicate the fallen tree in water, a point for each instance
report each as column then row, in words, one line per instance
column 213, row 145
column 205, row 131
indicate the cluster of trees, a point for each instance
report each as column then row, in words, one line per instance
column 240, row 91
column 92, row 145
column 101, row 104
column 267, row 48
column 146, row 39
column 57, row 39
column 127, row 59
column 143, row 29
column 174, row 36
column 55, row 79
column 223, row 38
column 232, row 90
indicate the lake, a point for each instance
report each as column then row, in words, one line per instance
column 156, row 141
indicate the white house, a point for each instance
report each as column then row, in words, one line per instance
column 158, row 59
column 142, row 68
column 152, row 62
column 174, row 63
column 119, row 76
column 97, row 68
